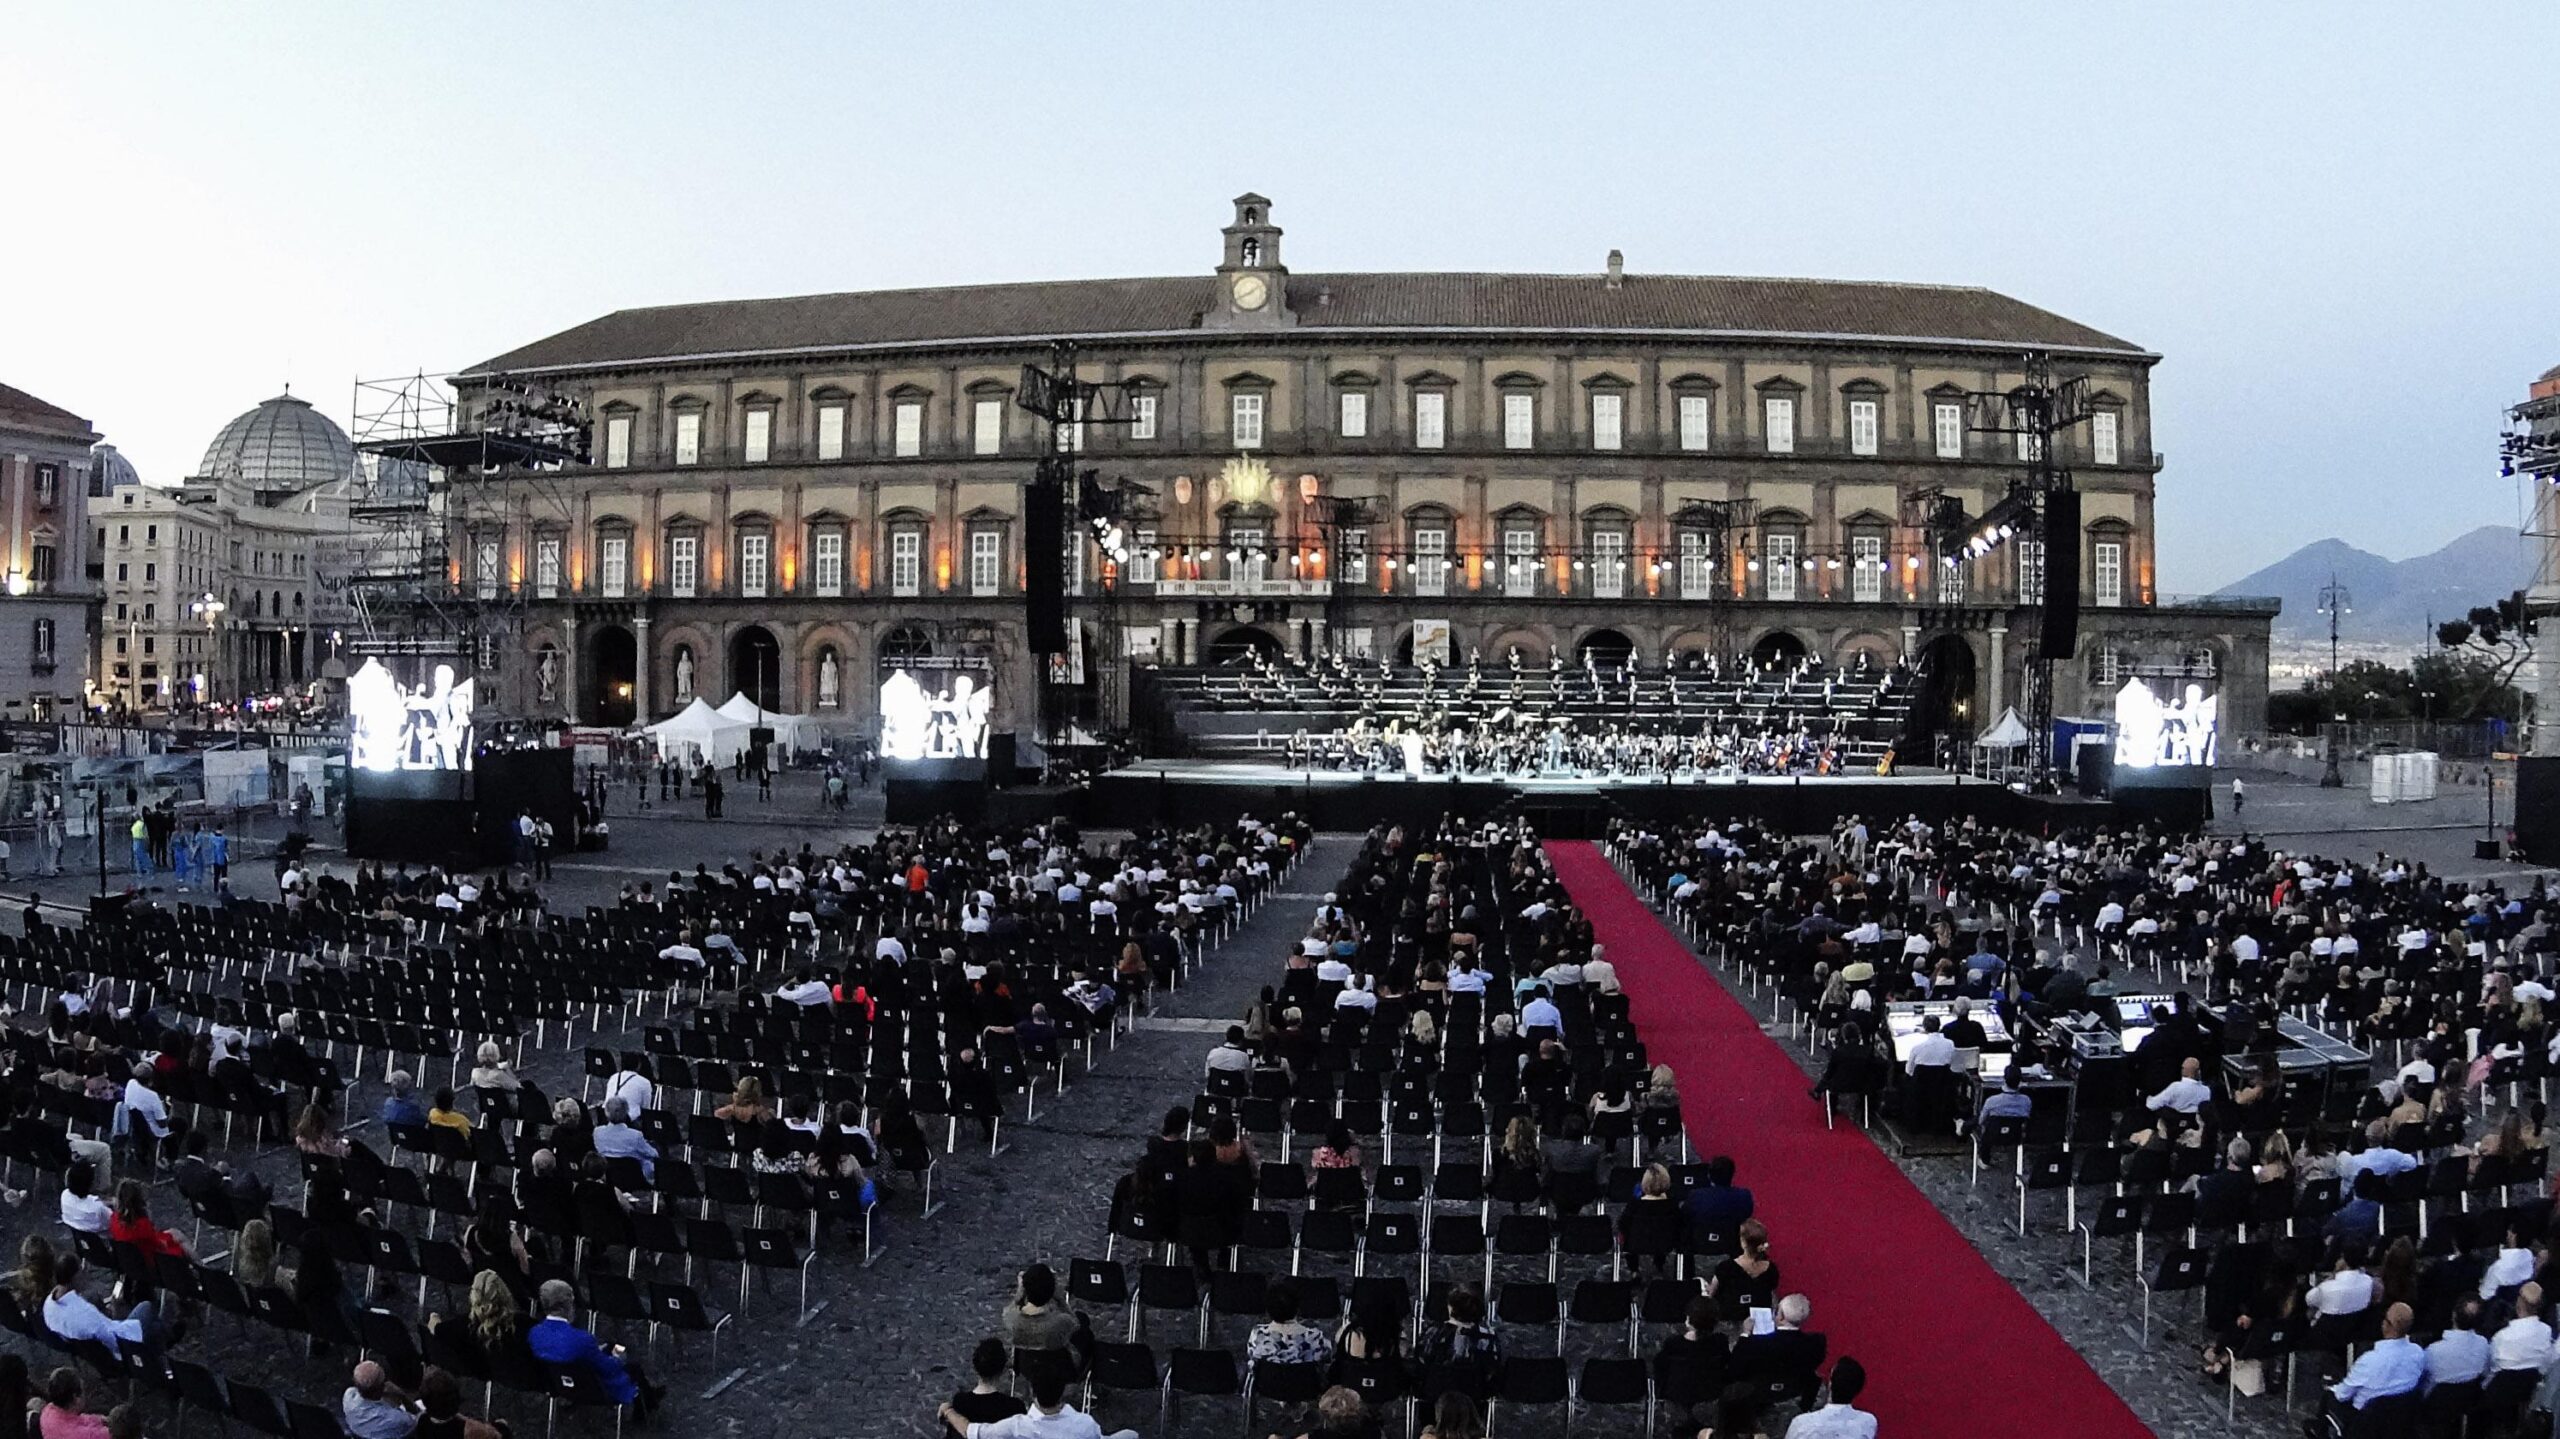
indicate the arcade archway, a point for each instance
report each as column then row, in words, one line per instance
column 613, row 674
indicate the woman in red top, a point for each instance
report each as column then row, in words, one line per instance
column 131, row 1224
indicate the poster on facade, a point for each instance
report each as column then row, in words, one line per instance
column 1431, row 642
column 1146, row 644
column 1355, row 642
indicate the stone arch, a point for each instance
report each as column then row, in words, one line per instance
column 611, row 660
column 1688, row 647
column 1880, row 649
column 1777, row 648
column 1534, row 646
column 1233, row 643
column 1607, row 647
column 1947, row 702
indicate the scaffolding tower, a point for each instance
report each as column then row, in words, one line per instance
column 432, row 563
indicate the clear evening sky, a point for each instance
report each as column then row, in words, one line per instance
column 2335, row 221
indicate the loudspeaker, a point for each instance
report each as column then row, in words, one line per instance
column 2061, row 633
column 1044, row 567
column 2538, row 808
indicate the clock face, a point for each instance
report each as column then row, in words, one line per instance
column 1250, row 291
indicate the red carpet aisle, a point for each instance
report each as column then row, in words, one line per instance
column 1952, row 1351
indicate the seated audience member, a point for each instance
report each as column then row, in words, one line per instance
column 132, row 1224
column 1032, row 1318
column 1048, row 1418
column 2186, row 1094
column 1839, row 1417
column 443, row 1115
column 558, row 1340
column 1689, row 1368
column 2461, row 1353
column 2393, row 1366
column 2523, row 1342
column 402, row 1107
column 986, row 1401
column 82, row 1209
column 2008, row 1101
column 61, row 1417
column 441, row 1416
column 70, row 1315
column 1464, row 1350
column 2349, row 1289
column 1284, row 1338
column 1342, row 1414
column 1788, row 1351
column 372, row 1409
column 617, row 1139
column 490, row 1070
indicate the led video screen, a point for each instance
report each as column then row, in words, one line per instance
column 935, row 713
column 409, row 727
column 2171, row 722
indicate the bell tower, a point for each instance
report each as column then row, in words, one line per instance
column 1253, row 286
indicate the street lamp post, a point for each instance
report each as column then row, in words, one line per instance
column 209, row 609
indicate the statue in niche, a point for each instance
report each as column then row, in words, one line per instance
column 829, row 680
column 546, row 675
column 684, row 674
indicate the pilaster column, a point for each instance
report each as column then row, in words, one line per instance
column 1999, row 692
column 640, row 696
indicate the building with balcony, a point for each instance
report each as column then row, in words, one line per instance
column 788, row 497
column 48, row 586
column 214, row 586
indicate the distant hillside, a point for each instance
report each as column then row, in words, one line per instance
column 2390, row 600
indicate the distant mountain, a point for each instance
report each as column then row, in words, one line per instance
column 2391, row 600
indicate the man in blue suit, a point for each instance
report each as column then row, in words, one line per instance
column 559, row 1340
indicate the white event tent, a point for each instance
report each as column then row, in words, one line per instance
column 700, row 732
column 791, row 733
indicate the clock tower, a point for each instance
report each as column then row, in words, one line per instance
column 1253, row 286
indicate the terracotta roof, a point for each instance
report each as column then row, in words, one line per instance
column 1712, row 305
column 25, row 411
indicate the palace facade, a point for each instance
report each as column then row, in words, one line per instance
column 789, row 497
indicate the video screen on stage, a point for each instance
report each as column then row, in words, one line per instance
column 932, row 711
column 2168, row 722
column 409, row 726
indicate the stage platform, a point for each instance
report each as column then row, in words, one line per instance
column 1565, row 806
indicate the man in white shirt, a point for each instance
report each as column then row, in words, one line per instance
column 890, row 947
column 82, row 1209
column 1356, row 995
column 806, row 991
column 683, row 952
column 1599, row 973
column 1334, row 969
column 2349, row 1290
column 1933, row 1051
column 142, row 1104
column 636, row 1091
column 2525, row 1342
column 70, row 1314
column 2186, row 1094
column 1541, row 1013
column 1466, row 978
column 2513, row 1266
column 1231, row 1057
column 1839, row 1418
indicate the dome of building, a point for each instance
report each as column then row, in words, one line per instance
column 109, row 468
column 283, row 444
